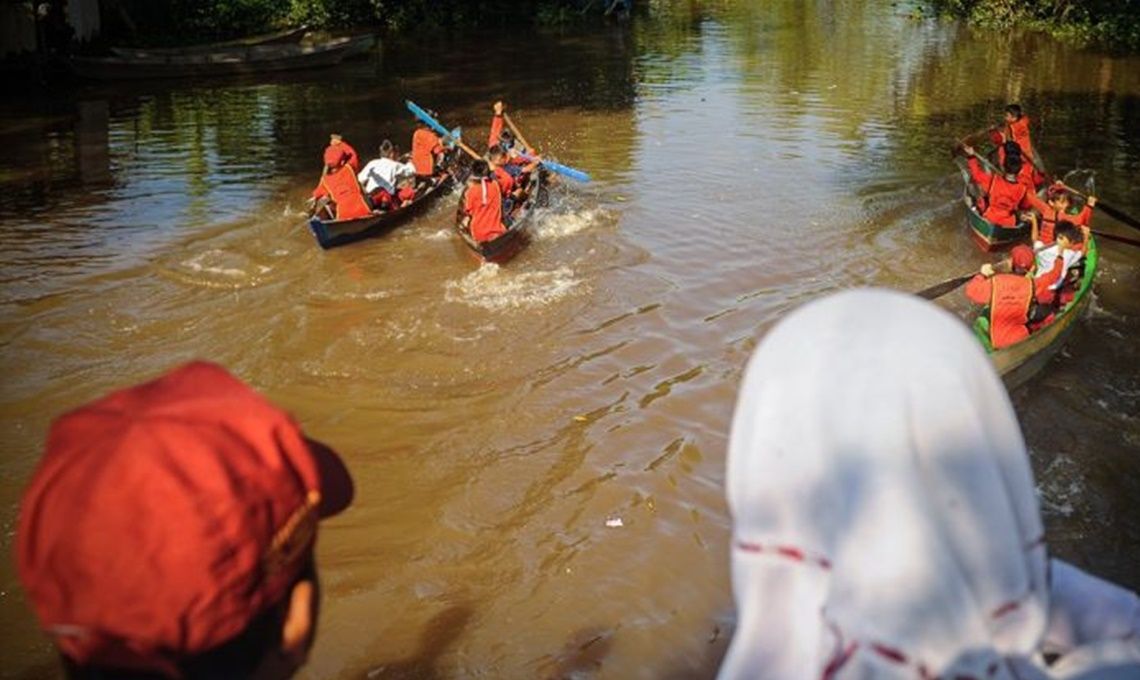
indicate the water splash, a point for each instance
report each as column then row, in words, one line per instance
column 1060, row 487
column 555, row 226
column 493, row 288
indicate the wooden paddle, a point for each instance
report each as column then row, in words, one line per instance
column 434, row 124
column 940, row 289
column 1114, row 237
column 565, row 170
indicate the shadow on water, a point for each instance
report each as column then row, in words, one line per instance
column 438, row 636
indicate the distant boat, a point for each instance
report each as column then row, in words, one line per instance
column 288, row 36
column 223, row 61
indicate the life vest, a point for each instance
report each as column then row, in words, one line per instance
column 425, row 144
column 341, row 186
column 1011, row 296
column 484, row 203
column 1002, row 200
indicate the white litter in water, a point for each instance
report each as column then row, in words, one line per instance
column 614, row 522
column 493, row 288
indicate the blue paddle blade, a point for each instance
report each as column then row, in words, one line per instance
column 564, row 170
column 572, row 173
column 427, row 118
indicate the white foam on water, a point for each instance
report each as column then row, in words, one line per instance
column 1060, row 487
column 440, row 235
column 561, row 225
column 217, row 268
column 492, row 288
column 214, row 262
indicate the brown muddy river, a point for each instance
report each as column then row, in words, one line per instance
column 747, row 157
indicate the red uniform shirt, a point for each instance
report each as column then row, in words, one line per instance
column 1009, row 297
column 341, row 186
column 484, row 203
column 1018, row 131
column 506, row 182
column 338, row 154
column 425, row 146
column 1001, row 198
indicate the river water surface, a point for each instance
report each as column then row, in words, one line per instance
column 539, row 448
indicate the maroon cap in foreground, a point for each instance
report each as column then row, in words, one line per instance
column 1022, row 257
column 163, row 518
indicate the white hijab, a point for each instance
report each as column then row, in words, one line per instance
column 885, row 518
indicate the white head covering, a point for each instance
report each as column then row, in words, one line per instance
column 885, row 520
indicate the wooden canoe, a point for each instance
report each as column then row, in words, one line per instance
column 291, row 35
column 504, row 247
column 333, row 233
column 1019, row 362
column 249, row 60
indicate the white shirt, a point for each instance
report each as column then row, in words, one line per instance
column 383, row 173
column 1047, row 258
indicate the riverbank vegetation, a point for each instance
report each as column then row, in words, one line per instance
column 1111, row 23
column 186, row 21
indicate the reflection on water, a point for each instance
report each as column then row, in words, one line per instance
column 747, row 157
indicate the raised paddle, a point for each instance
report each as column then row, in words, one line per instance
column 455, row 135
column 564, row 170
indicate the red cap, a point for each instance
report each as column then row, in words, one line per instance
column 163, row 518
column 1022, row 257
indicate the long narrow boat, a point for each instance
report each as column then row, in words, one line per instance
column 987, row 235
column 506, row 246
column 291, row 35
column 1018, row 362
column 250, row 60
column 333, row 233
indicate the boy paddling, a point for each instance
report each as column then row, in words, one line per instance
column 1003, row 194
column 1010, row 298
column 482, row 206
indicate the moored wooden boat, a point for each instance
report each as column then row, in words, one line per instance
column 1020, row 361
column 249, row 60
column 333, row 233
column 291, row 35
column 506, row 246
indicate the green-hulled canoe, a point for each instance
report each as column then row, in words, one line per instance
column 1017, row 363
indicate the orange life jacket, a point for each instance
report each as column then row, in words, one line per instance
column 484, row 203
column 1010, row 298
column 341, row 186
column 425, row 144
column 1002, row 198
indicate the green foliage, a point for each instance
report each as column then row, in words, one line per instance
column 1115, row 23
column 189, row 21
